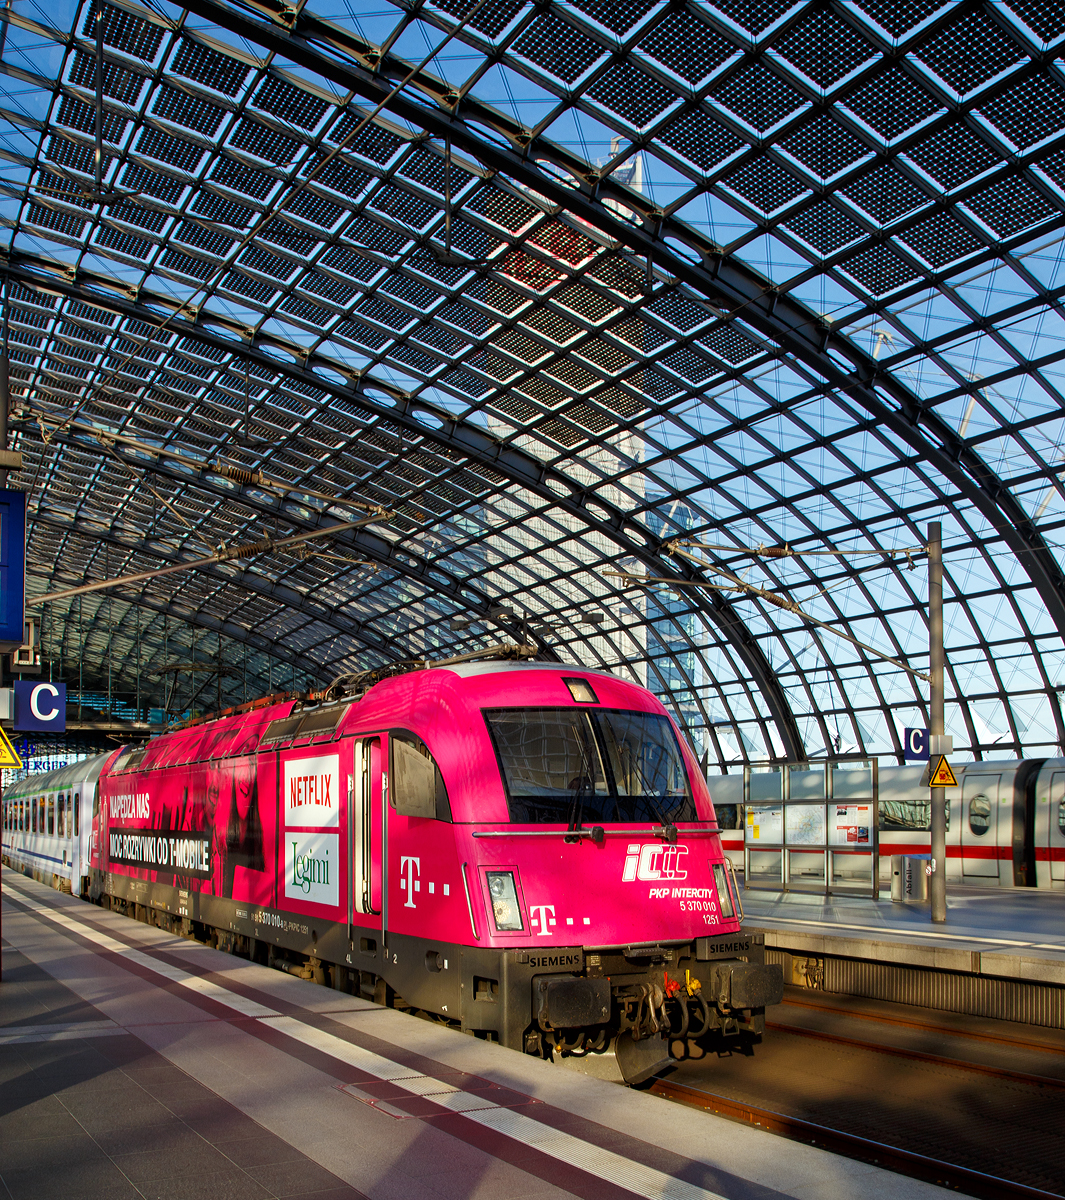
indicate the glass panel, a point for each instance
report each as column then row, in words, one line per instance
column 765, row 785
column 764, row 868
column 765, row 823
column 849, row 782
column 1061, row 815
column 805, row 824
column 852, row 870
column 807, row 785
column 851, row 824
column 806, row 868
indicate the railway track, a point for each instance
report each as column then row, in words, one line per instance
column 904, row 1162
column 892, row 1086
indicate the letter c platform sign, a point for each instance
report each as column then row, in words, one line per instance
column 915, row 748
column 41, row 706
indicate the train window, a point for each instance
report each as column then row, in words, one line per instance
column 1061, row 816
column 77, row 813
column 51, row 816
column 61, row 816
column 980, row 814
column 417, row 786
column 40, row 811
column 728, row 816
column 572, row 766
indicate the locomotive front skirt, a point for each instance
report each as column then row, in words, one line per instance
column 522, row 850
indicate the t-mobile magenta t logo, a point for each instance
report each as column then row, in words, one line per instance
column 543, row 916
column 409, row 869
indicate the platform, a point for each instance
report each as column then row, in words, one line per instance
column 1007, row 933
column 140, row 1064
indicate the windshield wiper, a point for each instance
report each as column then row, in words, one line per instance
column 576, row 812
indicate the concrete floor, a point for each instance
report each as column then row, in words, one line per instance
column 136, row 1064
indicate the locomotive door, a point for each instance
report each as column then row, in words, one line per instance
column 1056, row 827
column 365, row 786
column 979, row 825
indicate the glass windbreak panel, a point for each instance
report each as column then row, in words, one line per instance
column 807, row 785
column 852, row 782
column 806, row 868
column 851, row 870
column 805, row 824
column 573, row 766
column 851, row 824
column 766, row 785
column 765, row 823
column 765, row 867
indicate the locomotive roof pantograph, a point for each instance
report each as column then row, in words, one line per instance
column 558, row 287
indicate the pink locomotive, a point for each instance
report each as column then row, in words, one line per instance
column 525, row 851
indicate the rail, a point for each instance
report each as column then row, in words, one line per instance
column 903, row 1162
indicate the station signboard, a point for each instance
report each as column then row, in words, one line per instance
column 41, row 706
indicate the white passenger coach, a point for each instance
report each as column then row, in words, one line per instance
column 47, row 824
column 1005, row 821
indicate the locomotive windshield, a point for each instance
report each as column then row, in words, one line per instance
column 571, row 766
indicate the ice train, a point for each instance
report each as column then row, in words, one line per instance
column 1005, row 821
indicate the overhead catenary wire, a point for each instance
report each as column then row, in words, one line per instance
column 249, row 550
column 751, row 589
column 240, row 475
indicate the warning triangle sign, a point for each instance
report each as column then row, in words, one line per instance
column 8, row 756
column 942, row 775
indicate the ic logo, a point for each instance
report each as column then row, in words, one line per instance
column 408, row 869
column 653, row 862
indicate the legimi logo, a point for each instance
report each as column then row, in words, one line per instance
column 312, row 792
column 312, row 868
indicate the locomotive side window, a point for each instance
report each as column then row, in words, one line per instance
column 567, row 766
column 980, row 814
column 417, row 786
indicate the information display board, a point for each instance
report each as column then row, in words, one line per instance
column 819, row 833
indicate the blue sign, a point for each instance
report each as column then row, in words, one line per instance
column 915, row 745
column 12, row 569
column 41, row 706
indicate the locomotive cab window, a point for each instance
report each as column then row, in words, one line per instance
column 417, row 786
column 572, row 766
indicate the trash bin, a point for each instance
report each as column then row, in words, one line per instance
column 909, row 878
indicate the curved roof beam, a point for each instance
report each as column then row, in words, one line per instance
column 435, row 106
column 479, row 446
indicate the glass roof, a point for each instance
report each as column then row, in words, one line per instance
column 557, row 301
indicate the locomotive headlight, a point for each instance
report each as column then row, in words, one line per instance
column 723, row 896
column 506, row 910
